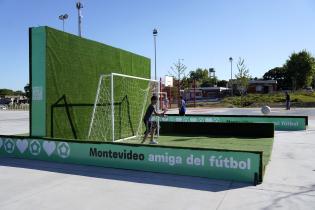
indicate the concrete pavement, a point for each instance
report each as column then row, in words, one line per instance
column 289, row 182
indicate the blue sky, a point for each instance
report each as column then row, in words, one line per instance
column 205, row 33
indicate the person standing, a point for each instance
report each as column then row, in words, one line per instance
column 150, row 125
column 287, row 101
column 182, row 105
column 165, row 104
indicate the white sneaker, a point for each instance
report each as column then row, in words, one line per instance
column 153, row 142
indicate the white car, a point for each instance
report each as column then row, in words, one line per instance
column 3, row 107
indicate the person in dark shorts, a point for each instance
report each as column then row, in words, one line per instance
column 149, row 124
column 287, row 101
column 182, row 105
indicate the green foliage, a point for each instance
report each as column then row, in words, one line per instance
column 199, row 74
column 242, row 77
column 9, row 92
column 222, row 83
column 209, row 82
column 178, row 72
column 6, row 92
column 280, row 75
column 27, row 90
column 300, row 69
column 268, row 99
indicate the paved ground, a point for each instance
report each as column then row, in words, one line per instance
column 289, row 182
column 14, row 122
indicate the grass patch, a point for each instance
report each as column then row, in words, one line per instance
column 255, row 100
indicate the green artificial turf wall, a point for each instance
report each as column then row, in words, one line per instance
column 73, row 66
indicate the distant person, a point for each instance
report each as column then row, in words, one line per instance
column 182, row 107
column 165, row 104
column 150, row 125
column 287, row 101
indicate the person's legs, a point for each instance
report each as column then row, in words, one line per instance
column 147, row 131
column 289, row 105
column 153, row 130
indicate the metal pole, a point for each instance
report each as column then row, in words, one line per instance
column 63, row 24
column 112, row 105
column 158, row 109
column 79, row 23
column 231, row 70
column 79, row 6
column 231, row 60
column 170, row 101
column 155, row 57
column 194, row 93
column 155, row 32
column 161, row 105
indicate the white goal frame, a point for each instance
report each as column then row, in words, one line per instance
column 112, row 92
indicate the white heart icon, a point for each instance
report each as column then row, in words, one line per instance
column 22, row 145
column 1, row 143
column 49, row 147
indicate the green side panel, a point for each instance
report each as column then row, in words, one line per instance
column 73, row 68
column 211, row 163
column 38, row 81
column 281, row 124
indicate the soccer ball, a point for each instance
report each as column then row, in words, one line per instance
column 265, row 109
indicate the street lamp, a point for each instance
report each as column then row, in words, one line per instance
column 231, row 60
column 79, row 6
column 155, row 32
column 63, row 18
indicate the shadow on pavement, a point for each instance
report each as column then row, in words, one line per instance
column 169, row 180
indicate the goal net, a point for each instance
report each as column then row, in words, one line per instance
column 120, row 105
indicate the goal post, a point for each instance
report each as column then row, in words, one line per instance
column 120, row 104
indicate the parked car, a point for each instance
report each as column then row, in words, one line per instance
column 3, row 107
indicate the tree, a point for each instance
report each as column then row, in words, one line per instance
column 280, row 75
column 178, row 72
column 27, row 90
column 19, row 93
column 242, row 77
column 6, row 92
column 222, row 83
column 199, row 75
column 209, row 82
column 300, row 69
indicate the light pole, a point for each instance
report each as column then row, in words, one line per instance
column 231, row 60
column 155, row 32
column 79, row 6
column 63, row 18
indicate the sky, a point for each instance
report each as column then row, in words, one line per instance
column 204, row 33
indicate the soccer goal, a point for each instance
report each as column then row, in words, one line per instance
column 119, row 107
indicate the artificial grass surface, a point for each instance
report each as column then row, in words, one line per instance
column 73, row 67
column 228, row 143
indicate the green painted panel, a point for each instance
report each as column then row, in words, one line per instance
column 281, row 124
column 38, row 81
column 210, row 163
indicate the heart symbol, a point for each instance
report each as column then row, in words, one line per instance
column 22, row 145
column 1, row 143
column 49, row 147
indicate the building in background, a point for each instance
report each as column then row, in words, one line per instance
column 262, row 86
